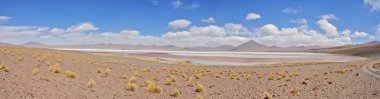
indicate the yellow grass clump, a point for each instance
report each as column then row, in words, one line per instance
column 168, row 81
column 190, row 82
column 200, row 88
column 267, row 95
column 294, row 74
column 199, row 97
column 271, row 77
column 70, row 74
column 132, row 79
column 147, row 82
column 4, row 68
column 99, row 70
column 35, row 71
column 55, row 68
column 20, row 59
column 175, row 93
column 108, row 72
column 124, row 76
column 91, row 84
column 131, row 86
column 303, row 82
column 153, row 88
column 173, row 79
column 342, row 70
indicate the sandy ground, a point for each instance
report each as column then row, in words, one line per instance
column 326, row 81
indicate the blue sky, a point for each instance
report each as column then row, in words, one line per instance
column 151, row 17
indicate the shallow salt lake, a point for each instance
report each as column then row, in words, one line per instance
column 231, row 58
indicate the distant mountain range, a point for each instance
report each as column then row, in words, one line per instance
column 367, row 49
column 248, row 46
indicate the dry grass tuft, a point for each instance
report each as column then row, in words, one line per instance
column 131, row 86
column 267, row 95
column 147, row 83
column 294, row 74
column 168, row 81
column 200, row 88
column 199, row 97
column 55, row 68
column 153, row 88
column 132, row 79
column 4, row 68
column 303, row 82
column 99, row 70
column 91, row 84
column 190, row 82
column 175, row 93
column 124, row 76
column 294, row 91
column 35, row 71
column 70, row 74
column 107, row 72
column 342, row 70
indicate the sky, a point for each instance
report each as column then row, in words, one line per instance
column 189, row 23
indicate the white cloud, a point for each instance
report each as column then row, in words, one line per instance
column 210, row 31
column 194, row 6
column 359, row 35
column 299, row 21
column 252, row 16
column 378, row 30
column 4, row 18
column 176, row 3
column 326, row 26
column 302, row 36
column 328, row 16
column 20, row 34
column 209, row 20
column 180, row 23
column 374, row 4
column 211, row 36
column 82, row 27
column 290, row 11
column 235, row 29
column 154, row 2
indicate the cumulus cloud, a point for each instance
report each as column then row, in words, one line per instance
column 299, row 21
column 210, row 31
column 154, row 2
column 82, row 27
column 326, row 26
column 252, row 16
column 20, row 34
column 235, row 29
column 4, row 18
column 211, row 35
column 176, row 3
column 301, row 36
column 359, row 35
column 290, row 11
column 374, row 4
column 378, row 30
column 209, row 20
column 194, row 6
column 180, row 23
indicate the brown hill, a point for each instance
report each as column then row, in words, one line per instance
column 367, row 51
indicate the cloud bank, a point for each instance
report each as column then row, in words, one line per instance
column 190, row 36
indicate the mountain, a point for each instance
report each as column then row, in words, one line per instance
column 5, row 44
column 34, row 44
column 366, row 49
column 251, row 45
